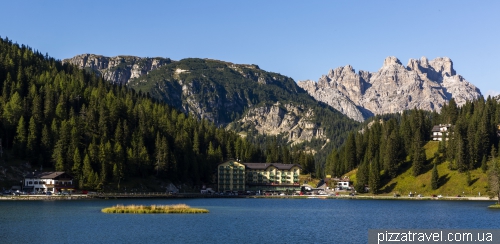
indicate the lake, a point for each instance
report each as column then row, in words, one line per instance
column 234, row 220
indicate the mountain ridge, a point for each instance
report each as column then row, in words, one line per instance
column 241, row 97
column 422, row 84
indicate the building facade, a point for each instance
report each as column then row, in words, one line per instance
column 231, row 176
column 54, row 182
column 440, row 131
column 235, row 176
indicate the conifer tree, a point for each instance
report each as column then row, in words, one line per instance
column 20, row 139
column 468, row 178
column 484, row 165
column 392, row 154
column 494, row 177
column 418, row 156
column 77, row 167
column 374, row 181
column 350, row 152
column 362, row 176
column 31, row 144
column 435, row 178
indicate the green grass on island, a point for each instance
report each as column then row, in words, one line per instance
column 153, row 209
column 494, row 206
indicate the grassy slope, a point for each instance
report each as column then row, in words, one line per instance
column 451, row 183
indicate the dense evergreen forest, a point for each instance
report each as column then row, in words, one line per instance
column 63, row 118
column 392, row 143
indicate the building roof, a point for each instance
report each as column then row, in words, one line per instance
column 46, row 175
column 436, row 128
column 263, row 166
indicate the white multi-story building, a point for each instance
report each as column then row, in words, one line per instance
column 54, row 182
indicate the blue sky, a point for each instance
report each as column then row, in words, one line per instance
column 300, row 39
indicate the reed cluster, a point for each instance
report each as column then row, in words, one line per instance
column 141, row 209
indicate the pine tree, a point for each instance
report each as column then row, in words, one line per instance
column 468, row 178
column 58, row 157
column 484, row 165
column 418, row 160
column 494, row 176
column 116, row 174
column 32, row 138
column 374, row 181
column 45, row 142
column 362, row 176
column 350, row 153
column 435, row 178
column 392, row 154
column 77, row 167
column 20, row 139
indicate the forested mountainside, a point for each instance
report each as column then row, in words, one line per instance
column 392, row 144
column 246, row 99
column 64, row 118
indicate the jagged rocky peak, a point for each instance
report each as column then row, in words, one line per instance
column 440, row 65
column 416, row 64
column 118, row 69
column 443, row 66
column 391, row 61
column 422, row 84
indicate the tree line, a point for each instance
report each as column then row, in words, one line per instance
column 61, row 117
column 64, row 118
column 389, row 144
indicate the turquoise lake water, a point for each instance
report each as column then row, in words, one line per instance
column 234, row 220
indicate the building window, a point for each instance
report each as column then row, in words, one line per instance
column 30, row 183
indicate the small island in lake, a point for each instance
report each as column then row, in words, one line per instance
column 141, row 209
column 495, row 206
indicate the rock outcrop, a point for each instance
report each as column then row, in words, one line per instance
column 422, row 84
column 293, row 121
column 119, row 69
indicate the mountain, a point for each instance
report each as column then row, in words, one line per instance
column 422, row 84
column 59, row 117
column 241, row 97
column 119, row 69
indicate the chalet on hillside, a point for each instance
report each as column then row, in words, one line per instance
column 438, row 131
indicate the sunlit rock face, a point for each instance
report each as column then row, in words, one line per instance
column 422, row 84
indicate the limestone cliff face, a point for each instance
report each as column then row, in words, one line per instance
column 293, row 121
column 119, row 69
column 422, row 84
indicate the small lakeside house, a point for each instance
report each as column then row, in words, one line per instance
column 37, row 182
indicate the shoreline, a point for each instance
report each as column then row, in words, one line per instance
column 197, row 195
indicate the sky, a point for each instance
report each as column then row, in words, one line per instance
column 299, row 39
